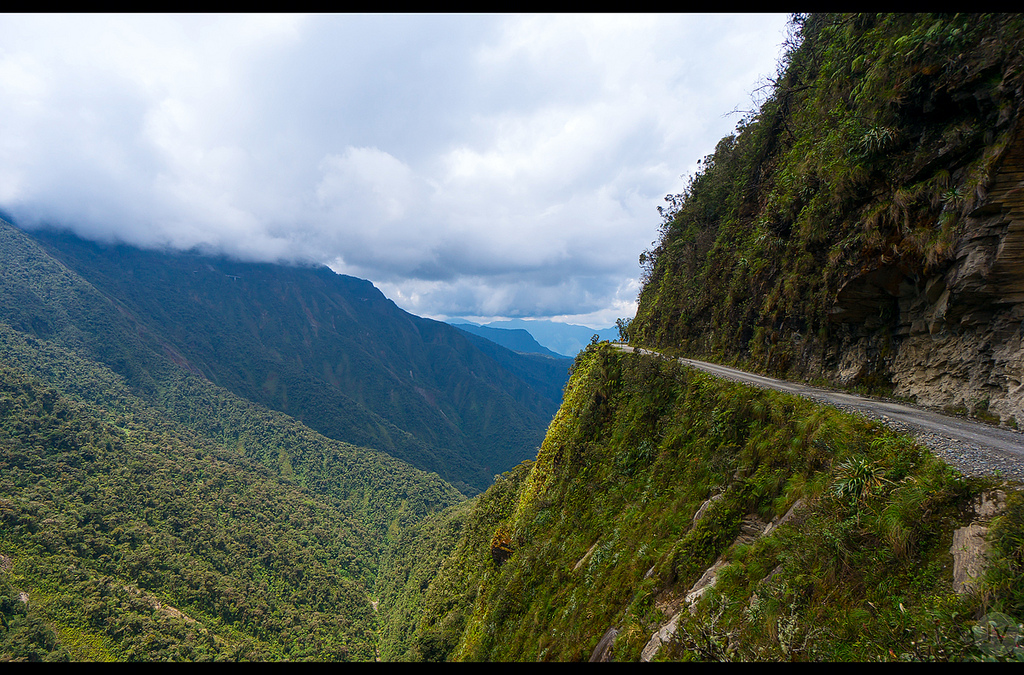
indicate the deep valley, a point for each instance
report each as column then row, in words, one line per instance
column 208, row 459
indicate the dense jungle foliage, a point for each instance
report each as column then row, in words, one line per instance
column 106, row 524
column 602, row 534
column 327, row 349
column 159, row 503
column 157, row 516
column 877, row 138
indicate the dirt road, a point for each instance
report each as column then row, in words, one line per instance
column 973, row 447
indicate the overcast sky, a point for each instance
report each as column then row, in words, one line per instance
column 469, row 166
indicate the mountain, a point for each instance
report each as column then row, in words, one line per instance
column 862, row 222
column 326, row 349
column 149, row 514
column 155, row 505
column 671, row 513
column 130, row 536
column 861, row 226
column 563, row 338
column 516, row 339
column 865, row 225
column 546, row 374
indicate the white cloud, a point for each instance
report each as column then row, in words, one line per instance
column 467, row 165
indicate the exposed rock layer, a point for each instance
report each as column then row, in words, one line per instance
column 957, row 341
column 970, row 546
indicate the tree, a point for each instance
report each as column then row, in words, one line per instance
column 623, row 326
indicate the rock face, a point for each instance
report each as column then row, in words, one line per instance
column 970, row 545
column 956, row 340
column 751, row 529
column 601, row 651
column 968, row 550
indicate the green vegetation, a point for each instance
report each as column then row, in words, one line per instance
column 162, row 498
column 602, row 533
column 116, row 523
column 876, row 140
column 26, row 635
column 428, row 584
column 329, row 350
column 146, row 513
column 106, row 523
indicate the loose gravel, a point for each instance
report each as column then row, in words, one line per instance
column 971, row 459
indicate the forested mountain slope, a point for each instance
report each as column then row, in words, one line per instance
column 150, row 513
column 546, row 374
column 327, row 349
column 563, row 338
column 130, row 534
column 866, row 224
column 861, row 225
column 866, row 216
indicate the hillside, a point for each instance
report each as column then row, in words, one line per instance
column 148, row 513
column 516, row 339
column 865, row 224
column 326, row 349
column 129, row 535
column 859, row 228
column 676, row 516
column 563, row 338
column 161, row 498
column 546, row 374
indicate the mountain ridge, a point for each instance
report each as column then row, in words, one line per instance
column 167, row 518
column 516, row 339
column 562, row 338
column 328, row 349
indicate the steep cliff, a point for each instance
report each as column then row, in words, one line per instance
column 960, row 329
column 671, row 515
column 865, row 225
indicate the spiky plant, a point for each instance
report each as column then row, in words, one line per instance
column 857, row 478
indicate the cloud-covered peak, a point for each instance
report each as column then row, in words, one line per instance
column 467, row 165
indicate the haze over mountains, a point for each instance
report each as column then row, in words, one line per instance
column 460, row 162
column 327, row 349
column 206, row 459
column 559, row 338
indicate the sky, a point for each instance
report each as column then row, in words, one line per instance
column 474, row 166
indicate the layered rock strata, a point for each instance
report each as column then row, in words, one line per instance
column 956, row 339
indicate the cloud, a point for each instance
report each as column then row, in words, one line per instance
column 467, row 165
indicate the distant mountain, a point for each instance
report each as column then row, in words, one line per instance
column 516, row 339
column 327, row 349
column 563, row 338
column 546, row 374
column 178, row 520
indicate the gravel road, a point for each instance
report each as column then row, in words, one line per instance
column 975, row 448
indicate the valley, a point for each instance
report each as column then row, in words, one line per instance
column 128, row 458
column 209, row 459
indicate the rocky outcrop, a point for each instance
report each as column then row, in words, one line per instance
column 970, row 546
column 968, row 550
column 751, row 529
column 602, row 652
column 956, row 337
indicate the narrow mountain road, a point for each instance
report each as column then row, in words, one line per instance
column 975, row 448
